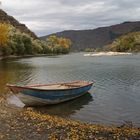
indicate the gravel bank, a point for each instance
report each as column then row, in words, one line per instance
column 27, row 123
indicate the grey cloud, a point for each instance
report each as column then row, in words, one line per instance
column 45, row 16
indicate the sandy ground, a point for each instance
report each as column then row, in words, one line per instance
column 107, row 54
column 28, row 124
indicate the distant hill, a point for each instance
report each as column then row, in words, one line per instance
column 97, row 37
column 4, row 17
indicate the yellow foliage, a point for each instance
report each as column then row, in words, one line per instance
column 75, row 130
column 64, row 42
column 59, row 41
column 4, row 33
column 126, row 43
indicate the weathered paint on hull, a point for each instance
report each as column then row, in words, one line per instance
column 32, row 97
column 34, row 101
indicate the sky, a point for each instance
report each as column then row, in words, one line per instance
column 49, row 16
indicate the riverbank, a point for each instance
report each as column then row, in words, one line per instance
column 106, row 53
column 26, row 56
column 27, row 123
column 86, row 54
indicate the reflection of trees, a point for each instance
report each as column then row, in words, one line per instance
column 13, row 72
column 67, row 108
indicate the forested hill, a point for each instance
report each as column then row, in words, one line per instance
column 99, row 37
column 4, row 17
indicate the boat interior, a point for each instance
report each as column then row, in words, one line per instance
column 61, row 85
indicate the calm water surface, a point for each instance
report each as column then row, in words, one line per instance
column 114, row 99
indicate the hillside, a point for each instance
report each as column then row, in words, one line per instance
column 99, row 37
column 126, row 43
column 4, row 17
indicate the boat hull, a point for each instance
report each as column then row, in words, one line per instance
column 33, row 97
column 34, row 101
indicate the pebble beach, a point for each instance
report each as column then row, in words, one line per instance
column 27, row 123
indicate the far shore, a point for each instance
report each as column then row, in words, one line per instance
column 85, row 54
column 106, row 53
column 25, row 56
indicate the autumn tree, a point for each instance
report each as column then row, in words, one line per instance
column 126, row 43
column 58, row 44
column 4, row 34
column 15, row 42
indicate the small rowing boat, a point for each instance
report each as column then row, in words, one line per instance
column 33, row 95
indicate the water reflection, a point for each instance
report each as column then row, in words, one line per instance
column 13, row 72
column 116, row 92
column 66, row 109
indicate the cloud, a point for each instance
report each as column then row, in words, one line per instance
column 46, row 16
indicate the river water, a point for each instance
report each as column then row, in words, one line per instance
column 114, row 98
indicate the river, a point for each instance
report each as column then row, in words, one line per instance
column 114, row 98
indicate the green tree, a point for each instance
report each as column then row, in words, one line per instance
column 19, row 45
column 37, row 46
column 27, row 44
column 126, row 43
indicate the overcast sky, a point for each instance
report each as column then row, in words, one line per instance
column 49, row 16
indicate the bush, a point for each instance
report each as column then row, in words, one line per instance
column 6, row 50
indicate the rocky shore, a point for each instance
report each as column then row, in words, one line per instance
column 27, row 123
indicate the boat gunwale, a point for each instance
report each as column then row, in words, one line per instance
column 31, row 87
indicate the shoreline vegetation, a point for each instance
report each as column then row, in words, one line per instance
column 27, row 123
column 128, row 43
column 13, row 42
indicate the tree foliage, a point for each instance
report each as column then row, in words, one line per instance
column 14, row 42
column 4, row 34
column 126, row 43
column 58, row 44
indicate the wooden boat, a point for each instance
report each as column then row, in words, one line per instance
column 32, row 95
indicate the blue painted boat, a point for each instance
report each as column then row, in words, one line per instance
column 33, row 95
